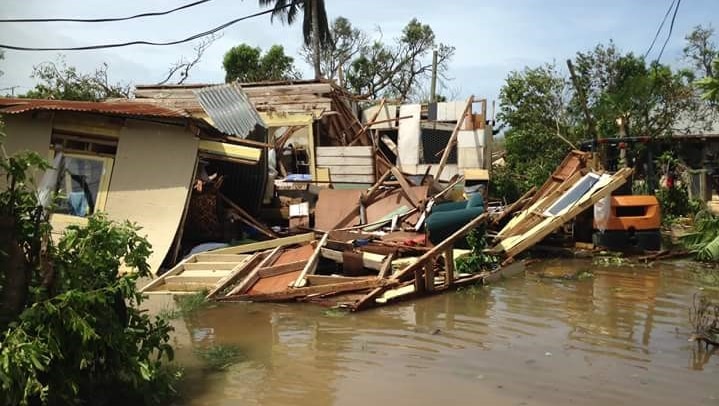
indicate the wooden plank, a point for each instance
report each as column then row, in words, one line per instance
column 281, row 269
column 214, row 274
column 293, row 293
column 231, row 150
column 253, row 275
column 406, row 188
column 442, row 246
column 257, row 225
column 360, row 151
column 369, row 260
column 395, row 293
column 178, row 279
column 386, row 268
column 429, row 276
column 177, row 269
column 188, row 286
column 210, row 257
column 365, row 179
column 453, row 139
column 334, row 160
column 367, row 299
column 217, row 266
column 516, row 244
column 312, row 262
column 265, row 245
column 317, row 280
column 449, row 267
column 239, row 271
column 351, row 170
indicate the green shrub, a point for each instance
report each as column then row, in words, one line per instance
column 71, row 330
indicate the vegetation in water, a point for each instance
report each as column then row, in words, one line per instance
column 335, row 312
column 704, row 318
column 187, row 305
column 474, row 290
column 610, row 259
column 71, row 331
column 703, row 242
column 477, row 260
column 219, row 357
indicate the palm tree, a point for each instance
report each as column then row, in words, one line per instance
column 315, row 28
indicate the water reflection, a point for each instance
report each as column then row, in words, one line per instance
column 621, row 334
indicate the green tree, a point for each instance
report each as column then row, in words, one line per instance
column 346, row 41
column 710, row 84
column 244, row 63
column 395, row 70
column 533, row 103
column 61, row 82
column 700, row 50
column 71, row 331
column 315, row 27
column 647, row 98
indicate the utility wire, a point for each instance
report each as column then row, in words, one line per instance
column 125, row 44
column 671, row 28
column 100, row 20
column 659, row 30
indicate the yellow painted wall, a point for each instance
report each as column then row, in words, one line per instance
column 27, row 131
column 150, row 182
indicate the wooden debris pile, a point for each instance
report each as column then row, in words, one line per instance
column 569, row 191
column 369, row 247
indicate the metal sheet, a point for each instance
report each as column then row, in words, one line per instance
column 230, row 109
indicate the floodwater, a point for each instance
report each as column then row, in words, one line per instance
column 617, row 338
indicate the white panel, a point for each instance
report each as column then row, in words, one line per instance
column 470, row 139
column 450, row 111
column 470, row 157
column 389, row 111
column 408, row 135
column 150, row 181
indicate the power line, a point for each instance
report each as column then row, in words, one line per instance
column 100, row 20
column 659, row 30
column 671, row 28
column 125, row 44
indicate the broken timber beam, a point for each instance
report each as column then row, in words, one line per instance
column 453, row 138
column 242, row 268
column 311, row 263
column 265, row 245
column 294, row 293
column 254, row 275
column 441, row 247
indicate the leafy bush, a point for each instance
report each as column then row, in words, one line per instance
column 220, row 356
column 477, row 260
column 704, row 241
column 71, row 330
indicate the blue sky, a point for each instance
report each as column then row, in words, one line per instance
column 492, row 37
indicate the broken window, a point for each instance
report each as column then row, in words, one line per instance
column 572, row 195
column 83, row 173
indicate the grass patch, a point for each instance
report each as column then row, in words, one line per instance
column 186, row 305
column 220, row 357
column 474, row 290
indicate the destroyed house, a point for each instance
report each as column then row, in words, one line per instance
column 135, row 161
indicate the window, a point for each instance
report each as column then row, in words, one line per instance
column 83, row 175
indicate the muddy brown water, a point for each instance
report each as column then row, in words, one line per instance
column 617, row 338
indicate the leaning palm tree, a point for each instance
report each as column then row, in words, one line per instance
column 315, row 28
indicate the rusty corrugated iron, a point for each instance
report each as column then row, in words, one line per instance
column 123, row 108
column 230, row 109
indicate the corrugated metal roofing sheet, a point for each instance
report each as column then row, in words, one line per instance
column 230, row 109
column 124, row 108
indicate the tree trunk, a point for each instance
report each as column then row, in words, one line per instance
column 315, row 39
column 12, row 263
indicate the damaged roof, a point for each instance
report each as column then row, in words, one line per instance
column 123, row 108
column 230, row 109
